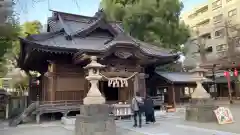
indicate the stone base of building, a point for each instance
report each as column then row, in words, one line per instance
column 201, row 110
column 95, row 120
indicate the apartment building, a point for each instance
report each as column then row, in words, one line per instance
column 5, row 9
column 210, row 20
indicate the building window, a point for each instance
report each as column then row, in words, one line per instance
column 206, row 36
column 232, row 12
column 188, row 91
column 222, row 54
column 219, row 33
column 238, row 42
column 218, row 18
column 192, row 16
column 221, row 48
column 199, row 11
column 202, row 10
column 217, row 4
column 203, row 23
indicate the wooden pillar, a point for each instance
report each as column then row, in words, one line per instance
column 140, row 84
column 53, row 78
column 7, row 110
column 123, row 93
column 135, row 84
column 130, row 89
column 173, row 96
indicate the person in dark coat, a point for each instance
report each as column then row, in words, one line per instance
column 149, row 109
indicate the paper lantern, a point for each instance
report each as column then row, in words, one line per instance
column 235, row 72
column 226, row 73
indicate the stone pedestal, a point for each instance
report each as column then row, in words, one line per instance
column 201, row 110
column 201, row 106
column 95, row 120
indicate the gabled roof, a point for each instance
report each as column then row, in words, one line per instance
column 180, row 77
column 76, row 34
column 71, row 31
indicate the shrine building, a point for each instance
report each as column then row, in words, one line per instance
column 60, row 54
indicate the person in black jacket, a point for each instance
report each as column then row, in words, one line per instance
column 149, row 109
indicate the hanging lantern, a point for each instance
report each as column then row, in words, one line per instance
column 235, row 72
column 226, row 73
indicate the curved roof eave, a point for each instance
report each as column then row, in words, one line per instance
column 46, row 48
column 124, row 44
column 108, row 48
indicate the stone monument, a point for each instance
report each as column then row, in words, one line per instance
column 201, row 105
column 94, row 118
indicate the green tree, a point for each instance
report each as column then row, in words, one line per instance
column 20, row 79
column 154, row 21
column 33, row 27
column 8, row 35
column 27, row 28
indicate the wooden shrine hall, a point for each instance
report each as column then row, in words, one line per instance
column 60, row 54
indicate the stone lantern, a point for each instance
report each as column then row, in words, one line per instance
column 94, row 118
column 199, row 92
column 201, row 105
column 94, row 96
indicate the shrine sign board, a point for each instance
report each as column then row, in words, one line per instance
column 224, row 115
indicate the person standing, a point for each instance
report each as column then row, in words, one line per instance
column 149, row 109
column 137, row 108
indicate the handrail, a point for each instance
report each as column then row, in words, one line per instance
column 58, row 103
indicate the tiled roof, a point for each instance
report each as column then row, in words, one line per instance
column 180, row 77
column 223, row 79
column 88, row 43
column 64, row 24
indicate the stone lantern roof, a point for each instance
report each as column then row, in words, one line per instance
column 94, row 63
column 198, row 73
column 198, row 69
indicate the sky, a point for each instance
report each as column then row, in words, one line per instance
column 39, row 10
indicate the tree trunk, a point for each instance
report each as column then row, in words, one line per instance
column 202, row 55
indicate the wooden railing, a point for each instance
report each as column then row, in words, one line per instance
column 67, row 102
column 49, row 104
column 119, row 110
column 17, row 120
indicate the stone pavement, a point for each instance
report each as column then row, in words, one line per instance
column 53, row 128
column 171, row 126
column 174, row 124
column 167, row 124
